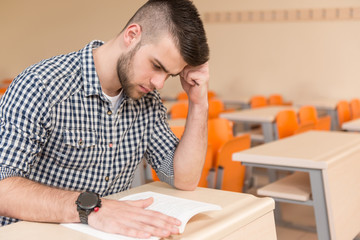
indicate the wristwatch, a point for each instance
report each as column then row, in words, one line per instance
column 86, row 203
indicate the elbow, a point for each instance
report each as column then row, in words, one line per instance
column 186, row 186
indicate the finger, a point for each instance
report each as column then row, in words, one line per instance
column 152, row 222
column 144, row 203
column 158, row 224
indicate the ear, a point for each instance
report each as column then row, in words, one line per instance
column 132, row 34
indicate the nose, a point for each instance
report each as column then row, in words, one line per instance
column 158, row 80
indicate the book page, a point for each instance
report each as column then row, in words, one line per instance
column 180, row 208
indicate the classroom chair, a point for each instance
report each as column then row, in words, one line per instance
column 220, row 130
column 183, row 96
column 207, row 178
column 343, row 112
column 275, row 99
column 355, row 108
column 179, row 109
column 216, row 106
column 309, row 113
column 258, row 101
column 211, row 94
column 231, row 174
column 2, row 91
column 287, row 124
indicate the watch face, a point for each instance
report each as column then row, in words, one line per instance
column 88, row 200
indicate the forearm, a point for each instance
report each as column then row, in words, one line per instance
column 190, row 154
column 27, row 200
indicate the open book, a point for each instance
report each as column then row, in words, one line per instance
column 182, row 209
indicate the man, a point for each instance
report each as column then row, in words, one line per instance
column 84, row 121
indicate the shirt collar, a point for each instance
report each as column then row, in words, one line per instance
column 91, row 81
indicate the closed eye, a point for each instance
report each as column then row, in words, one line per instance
column 156, row 67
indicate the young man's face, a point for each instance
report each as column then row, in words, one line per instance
column 144, row 69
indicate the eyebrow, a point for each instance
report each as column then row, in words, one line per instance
column 164, row 69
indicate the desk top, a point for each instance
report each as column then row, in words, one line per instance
column 241, row 100
column 353, row 125
column 313, row 149
column 326, row 104
column 256, row 115
column 208, row 225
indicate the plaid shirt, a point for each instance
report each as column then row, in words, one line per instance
column 57, row 129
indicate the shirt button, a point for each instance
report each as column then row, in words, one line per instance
column 110, row 145
column 107, row 178
column 81, row 142
column 109, row 112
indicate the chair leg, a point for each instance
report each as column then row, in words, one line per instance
column 249, row 179
column 219, row 177
column 211, row 178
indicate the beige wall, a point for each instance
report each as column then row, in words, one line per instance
column 296, row 59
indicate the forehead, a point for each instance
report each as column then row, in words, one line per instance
column 165, row 51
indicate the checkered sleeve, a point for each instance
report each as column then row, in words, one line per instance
column 162, row 147
column 22, row 111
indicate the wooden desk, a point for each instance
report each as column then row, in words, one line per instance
column 353, row 125
column 264, row 116
column 243, row 216
column 332, row 161
column 327, row 105
column 241, row 102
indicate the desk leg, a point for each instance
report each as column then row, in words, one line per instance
column 334, row 119
column 268, row 131
column 320, row 206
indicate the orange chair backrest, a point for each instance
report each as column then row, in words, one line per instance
column 287, row 123
column 258, row 101
column 355, row 108
column 216, row 106
column 343, row 112
column 275, row 99
column 208, row 165
column 182, row 96
column 211, row 94
column 308, row 114
column 179, row 109
column 220, row 130
column 233, row 172
column 2, row 91
column 178, row 130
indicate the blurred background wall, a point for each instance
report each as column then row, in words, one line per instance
column 316, row 58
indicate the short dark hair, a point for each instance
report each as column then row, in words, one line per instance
column 181, row 19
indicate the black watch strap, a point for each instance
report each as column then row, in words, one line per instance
column 83, row 215
column 86, row 203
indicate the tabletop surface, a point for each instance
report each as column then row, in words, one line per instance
column 263, row 114
column 353, row 125
column 313, row 149
column 318, row 103
column 247, row 208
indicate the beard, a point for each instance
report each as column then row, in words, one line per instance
column 125, row 73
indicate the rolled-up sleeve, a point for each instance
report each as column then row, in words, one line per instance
column 21, row 133
column 161, row 148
